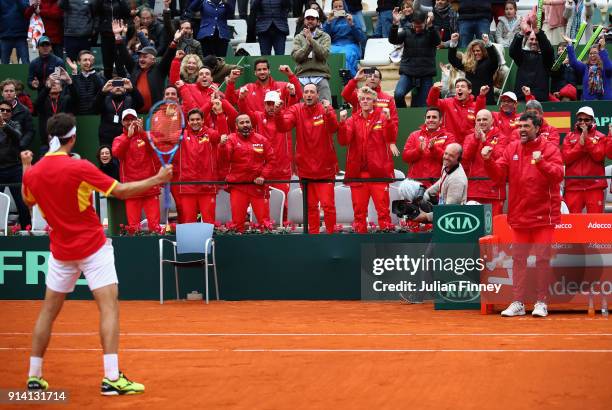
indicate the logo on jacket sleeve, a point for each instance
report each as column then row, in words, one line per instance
column 140, row 143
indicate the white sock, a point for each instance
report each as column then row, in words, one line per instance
column 35, row 366
column 111, row 366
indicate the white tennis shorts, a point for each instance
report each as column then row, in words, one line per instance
column 98, row 268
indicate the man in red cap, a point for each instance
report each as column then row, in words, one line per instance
column 315, row 155
column 534, row 169
column 485, row 135
column 425, row 147
column 367, row 135
column 584, row 154
column 251, row 159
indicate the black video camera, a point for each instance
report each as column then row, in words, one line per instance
column 411, row 208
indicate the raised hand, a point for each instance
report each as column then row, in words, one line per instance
column 486, row 152
column 438, row 85
column 179, row 84
column 180, row 54
column 291, row 89
column 485, row 38
column 526, row 90
column 177, row 36
column 484, row 90
column 234, row 75
column 117, row 27
column 26, row 158
column 285, row 69
column 72, row 65
column 397, row 16
column 326, row 105
column 394, row 150
column 343, row 115
column 455, row 37
column 35, row 83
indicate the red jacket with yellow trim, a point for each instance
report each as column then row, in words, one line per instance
column 459, row 116
column 426, row 163
column 137, row 159
column 256, row 93
column 582, row 160
column 474, row 164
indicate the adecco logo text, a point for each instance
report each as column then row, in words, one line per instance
column 458, row 223
column 458, row 294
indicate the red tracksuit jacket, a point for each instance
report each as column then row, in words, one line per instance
column 368, row 144
column 384, row 100
column 459, row 117
column 534, row 197
column 315, row 155
column 196, row 96
column 137, row 159
column 257, row 92
column 547, row 131
column 427, row 163
column 587, row 159
column 474, row 164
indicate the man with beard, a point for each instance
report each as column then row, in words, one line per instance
column 251, row 159
column 290, row 93
column 485, row 135
column 547, row 131
column 315, row 155
column 425, row 147
column 534, row 169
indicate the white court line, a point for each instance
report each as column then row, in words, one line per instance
column 71, row 334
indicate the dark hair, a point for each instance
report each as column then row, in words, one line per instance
column 5, row 102
column 436, row 109
column 465, row 80
column 378, row 71
column 59, row 124
column 100, row 150
column 511, row 2
column 535, row 120
column 172, row 86
column 210, row 61
column 181, row 22
column 419, row 17
column 261, row 61
column 195, row 111
column 83, row 52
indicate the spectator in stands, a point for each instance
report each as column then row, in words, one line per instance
column 407, row 12
column 290, row 92
column 11, row 144
column 562, row 77
column 367, row 135
column 185, row 67
column 533, row 54
column 385, row 18
column 584, row 154
column 554, row 22
column 53, row 19
column 474, row 20
column 196, row 161
column 107, row 163
column 148, row 74
column 157, row 32
column 311, row 48
column 418, row 65
column 445, row 17
column 13, row 31
column 137, row 161
column 425, row 147
column 23, row 97
column 117, row 95
column 79, row 26
column 106, row 11
column 187, row 43
column 479, row 63
column 312, row 4
column 271, row 25
column 384, row 100
column 485, row 135
column 87, row 83
column 576, row 12
column 355, row 8
column 459, row 111
column 214, row 33
column 44, row 65
column 56, row 96
column 346, row 37
column 534, row 170
column 280, row 141
column 545, row 130
column 218, row 67
column 20, row 113
column 596, row 73
column 508, row 25
column 251, row 159
column 139, row 40
column 315, row 156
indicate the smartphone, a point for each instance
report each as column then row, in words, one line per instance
column 368, row 71
column 339, row 13
column 57, row 71
column 117, row 83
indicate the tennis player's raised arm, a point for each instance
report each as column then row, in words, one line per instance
column 131, row 189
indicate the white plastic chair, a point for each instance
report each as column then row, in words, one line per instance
column 223, row 207
column 241, row 31
column 38, row 220
column 377, row 52
column 369, row 7
column 344, row 205
column 5, row 204
column 564, row 208
column 190, row 238
column 277, row 206
column 295, row 207
column 292, row 23
column 251, row 48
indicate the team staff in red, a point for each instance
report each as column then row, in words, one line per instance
column 534, row 169
column 383, row 100
column 251, row 159
column 459, row 111
column 507, row 118
column 425, row 147
column 315, row 155
column 137, row 161
column 196, row 160
column 367, row 135
column 290, row 93
column 484, row 135
column 584, row 154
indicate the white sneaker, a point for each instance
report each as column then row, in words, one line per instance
column 540, row 310
column 516, row 308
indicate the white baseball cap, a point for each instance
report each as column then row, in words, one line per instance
column 510, row 95
column 586, row 110
column 127, row 112
column 273, row 96
column 311, row 13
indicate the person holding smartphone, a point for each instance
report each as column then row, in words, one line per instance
column 346, row 36
column 584, row 153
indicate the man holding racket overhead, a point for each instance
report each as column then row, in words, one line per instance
column 62, row 187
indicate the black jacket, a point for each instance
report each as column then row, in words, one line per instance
column 474, row 9
column 419, row 55
column 79, row 18
column 533, row 67
column 86, row 89
column 109, row 129
column 44, row 108
column 485, row 70
column 107, row 10
column 271, row 12
column 43, row 67
column 10, row 145
column 22, row 116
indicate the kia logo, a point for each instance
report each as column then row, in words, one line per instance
column 458, row 223
column 458, row 293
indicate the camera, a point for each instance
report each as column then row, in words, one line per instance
column 412, row 203
column 117, row 83
column 369, row 71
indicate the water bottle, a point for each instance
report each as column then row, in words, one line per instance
column 604, row 308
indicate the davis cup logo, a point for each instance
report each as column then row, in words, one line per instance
column 458, row 223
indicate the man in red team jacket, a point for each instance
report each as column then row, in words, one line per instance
column 584, row 154
column 367, row 135
column 534, row 169
column 315, row 155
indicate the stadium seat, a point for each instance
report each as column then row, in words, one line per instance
column 223, row 207
column 608, row 191
column 295, row 206
column 564, row 208
column 344, row 205
column 240, row 27
column 38, row 221
column 288, row 46
column 377, row 52
column 292, row 22
column 5, row 203
column 251, row 48
column 369, row 7
column 277, row 206
column 191, row 238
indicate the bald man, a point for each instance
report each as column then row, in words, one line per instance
column 485, row 134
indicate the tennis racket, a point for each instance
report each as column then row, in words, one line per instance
column 165, row 125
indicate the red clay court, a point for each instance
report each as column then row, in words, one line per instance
column 318, row 355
